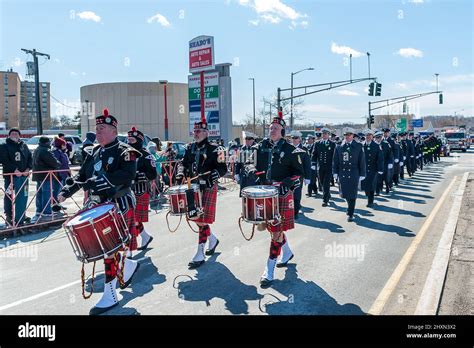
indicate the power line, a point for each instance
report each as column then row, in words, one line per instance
column 68, row 106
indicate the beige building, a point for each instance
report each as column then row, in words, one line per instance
column 18, row 102
column 28, row 104
column 140, row 104
column 10, row 99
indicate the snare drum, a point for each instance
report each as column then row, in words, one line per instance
column 178, row 201
column 97, row 232
column 259, row 203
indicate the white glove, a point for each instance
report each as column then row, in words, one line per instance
column 390, row 166
column 307, row 181
column 313, row 167
column 404, row 157
column 361, row 178
column 397, row 160
column 401, row 164
column 237, row 177
column 412, row 156
column 335, row 176
column 380, row 173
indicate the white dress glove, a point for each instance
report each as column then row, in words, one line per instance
column 380, row 173
column 390, row 166
column 335, row 176
column 307, row 181
column 397, row 160
column 313, row 167
column 361, row 178
column 401, row 164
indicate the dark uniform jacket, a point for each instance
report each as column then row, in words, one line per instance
column 15, row 156
column 203, row 157
column 387, row 154
column 323, row 154
column 373, row 164
column 306, row 161
column 146, row 171
column 107, row 174
column 396, row 150
column 280, row 162
column 349, row 165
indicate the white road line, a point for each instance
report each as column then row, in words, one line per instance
column 392, row 282
column 45, row 293
column 430, row 296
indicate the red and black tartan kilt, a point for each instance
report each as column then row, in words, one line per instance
column 129, row 217
column 209, row 199
column 287, row 214
column 141, row 210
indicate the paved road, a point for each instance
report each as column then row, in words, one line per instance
column 339, row 267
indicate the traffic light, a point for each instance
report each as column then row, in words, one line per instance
column 371, row 89
column 441, row 98
column 280, row 112
column 378, row 89
column 372, row 119
column 404, row 108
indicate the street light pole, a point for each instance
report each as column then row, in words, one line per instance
column 291, row 90
column 253, row 87
column 87, row 115
column 165, row 85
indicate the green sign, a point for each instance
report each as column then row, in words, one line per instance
column 209, row 92
column 402, row 125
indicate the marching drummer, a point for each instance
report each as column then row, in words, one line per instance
column 146, row 172
column 280, row 163
column 205, row 161
column 107, row 175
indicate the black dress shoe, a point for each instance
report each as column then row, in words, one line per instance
column 369, row 205
column 308, row 195
column 210, row 252
column 350, row 218
column 146, row 245
column 283, row 264
column 265, row 283
column 325, row 204
column 195, row 264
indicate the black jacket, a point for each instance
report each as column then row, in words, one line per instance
column 43, row 160
column 323, row 154
column 306, row 161
column 15, row 156
column 201, row 158
column 279, row 161
column 109, row 172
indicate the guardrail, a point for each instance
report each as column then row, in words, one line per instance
column 11, row 195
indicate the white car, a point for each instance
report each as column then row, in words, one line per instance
column 73, row 139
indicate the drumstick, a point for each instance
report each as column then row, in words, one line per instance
column 197, row 176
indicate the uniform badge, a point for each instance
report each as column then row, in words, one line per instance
column 110, row 160
column 98, row 166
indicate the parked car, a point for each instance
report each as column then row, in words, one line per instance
column 73, row 139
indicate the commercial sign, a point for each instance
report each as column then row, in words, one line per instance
column 211, row 101
column 201, row 54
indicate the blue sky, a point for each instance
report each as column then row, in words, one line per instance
column 105, row 41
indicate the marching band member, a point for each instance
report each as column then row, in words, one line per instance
column 205, row 160
column 322, row 156
column 146, row 172
column 107, row 175
column 349, row 168
column 374, row 166
column 306, row 178
column 279, row 162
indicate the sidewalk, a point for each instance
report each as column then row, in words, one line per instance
column 458, row 292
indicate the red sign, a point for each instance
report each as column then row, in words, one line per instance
column 201, row 54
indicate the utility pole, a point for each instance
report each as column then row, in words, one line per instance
column 253, row 87
column 39, row 120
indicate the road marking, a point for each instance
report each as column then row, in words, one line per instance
column 392, row 282
column 48, row 292
column 431, row 294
